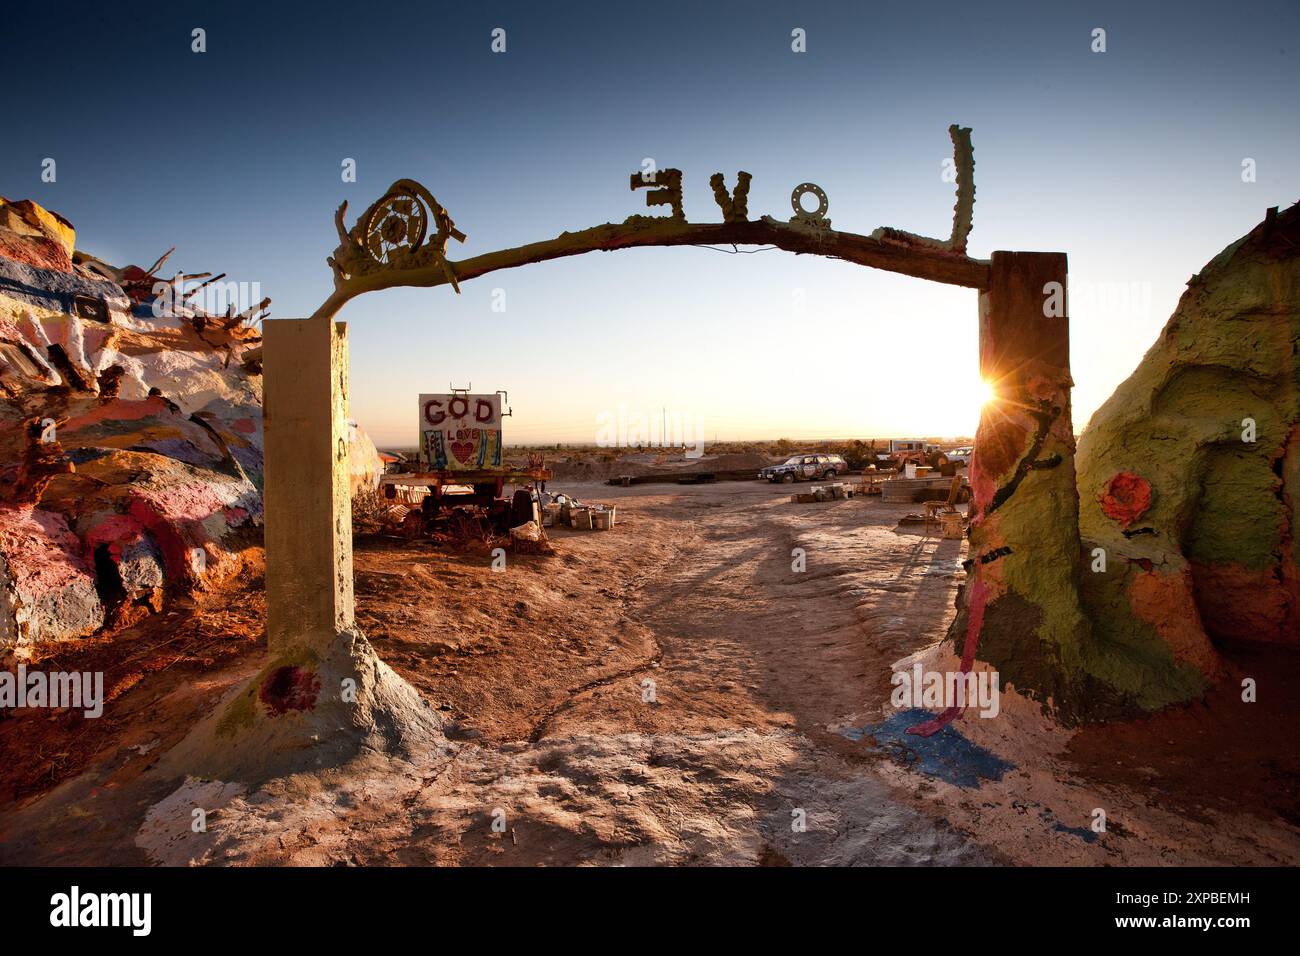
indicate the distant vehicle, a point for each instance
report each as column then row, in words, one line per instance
column 960, row 456
column 904, row 451
column 808, row 467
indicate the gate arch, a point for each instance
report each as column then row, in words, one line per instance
column 1024, row 566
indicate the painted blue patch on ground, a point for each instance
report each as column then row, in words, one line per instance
column 1083, row 833
column 946, row 755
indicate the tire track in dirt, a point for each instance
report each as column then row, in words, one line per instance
column 736, row 615
column 635, row 585
column 749, row 646
column 543, row 725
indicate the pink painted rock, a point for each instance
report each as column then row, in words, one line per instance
column 47, row 587
column 159, row 423
column 159, row 418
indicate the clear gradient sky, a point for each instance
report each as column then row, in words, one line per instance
column 1129, row 160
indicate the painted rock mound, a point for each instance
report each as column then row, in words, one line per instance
column 1189, row 477
column 130, row 436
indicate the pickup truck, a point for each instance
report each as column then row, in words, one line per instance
column 808, row 467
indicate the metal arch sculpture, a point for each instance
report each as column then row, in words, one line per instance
column 389, row 236
column 1021, row 600
column 386, row 246
column 1025, row 437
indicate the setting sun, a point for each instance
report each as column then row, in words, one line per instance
column 986, row 392
column 952, row 410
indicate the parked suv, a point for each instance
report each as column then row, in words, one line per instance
column 810, row 467
column 960, row 456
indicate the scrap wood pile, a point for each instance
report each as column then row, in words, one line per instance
column 372, row 513
column 569, row 512
column 458, row 528
column 470, row 528
column 830, row 492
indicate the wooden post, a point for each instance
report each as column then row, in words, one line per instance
column 1020, row 609
column 307, row 498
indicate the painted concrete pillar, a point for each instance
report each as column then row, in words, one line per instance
column 1020, row 609
column 324, row 696
column 307, row 500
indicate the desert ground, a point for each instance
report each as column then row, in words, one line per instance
column 670, row 691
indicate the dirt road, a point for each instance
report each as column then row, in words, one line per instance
column 684, row 647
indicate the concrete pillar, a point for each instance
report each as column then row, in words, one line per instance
column 324, row 696
column 1020, row 609
column 306, row 494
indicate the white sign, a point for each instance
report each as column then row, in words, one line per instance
column 460, row 432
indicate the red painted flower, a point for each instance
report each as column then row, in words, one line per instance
column 1126, row 498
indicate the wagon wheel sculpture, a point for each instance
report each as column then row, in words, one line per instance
column 395, row 227
column 391, row 235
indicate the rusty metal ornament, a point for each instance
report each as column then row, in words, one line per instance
column 816, row 218
column 395, row 227
column 963, row 211
column 391, row 235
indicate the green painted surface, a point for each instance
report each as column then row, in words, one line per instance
column 1228, row 353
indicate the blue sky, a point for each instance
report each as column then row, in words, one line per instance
column 1128, row 160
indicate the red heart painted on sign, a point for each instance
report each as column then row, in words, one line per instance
column 463, row 450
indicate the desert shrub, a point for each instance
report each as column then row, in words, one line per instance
column 368, row 509
column 859, row 454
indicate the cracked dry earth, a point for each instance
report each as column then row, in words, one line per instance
column 751, row 664
column 543, row 673
column 544, row 670
column 665, row 692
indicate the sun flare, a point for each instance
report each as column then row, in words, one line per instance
column 985, row 392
